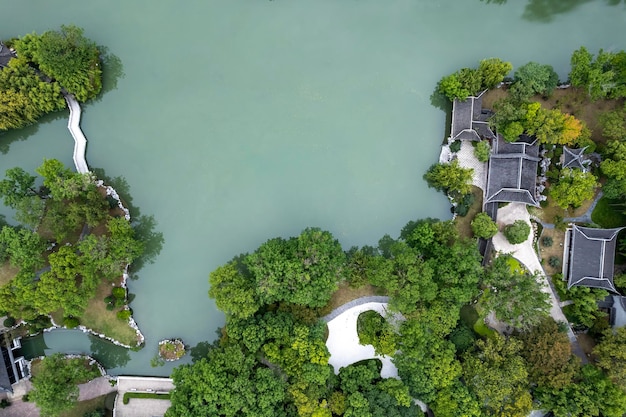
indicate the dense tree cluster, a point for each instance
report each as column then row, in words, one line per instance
column 573, row 188
column 55, row 386
column 601, row 76
column 45, row 65
column 469, row 82
column 55, row 272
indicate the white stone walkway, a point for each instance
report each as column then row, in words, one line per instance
column 80, row 141
column 525, row 253
column 343, row 341
column 468, row 160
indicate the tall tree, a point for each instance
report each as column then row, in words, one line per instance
column 573, row 188
column 611, row 355
column 450, row 177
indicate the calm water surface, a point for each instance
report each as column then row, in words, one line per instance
column 236, row 121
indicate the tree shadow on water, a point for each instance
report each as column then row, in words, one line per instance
column 544, row 11
column 108, row 354
column 9, row 137
column 112, row 71
column 145, row 225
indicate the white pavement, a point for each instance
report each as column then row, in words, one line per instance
column 525, row 253
column 343, row 341
column 142, row 407
column 467, row 159
column 80, row 141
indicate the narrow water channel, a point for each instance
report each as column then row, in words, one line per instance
column 233, row 122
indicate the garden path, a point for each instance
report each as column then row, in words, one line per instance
column 80, row 141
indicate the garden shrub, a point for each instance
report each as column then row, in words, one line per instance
column 517, row 232
column 482, row 150
column 71, row 322
column 119, row 292
column 554, row 261
column 455, row 146
column 547, row 241
column 9, row 322
column 373, row 329
column 464, row 204
column 124, row 315
column 483, row 226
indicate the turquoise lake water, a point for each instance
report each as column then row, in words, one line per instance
column 236, row 121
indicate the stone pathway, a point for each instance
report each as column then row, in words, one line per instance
column 525, row 253
column 585, row 218
column 467, row 159
column 95, row 388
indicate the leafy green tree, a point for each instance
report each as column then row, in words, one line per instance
column 234, row 293
column 68, row 57
column 228, row 382
column 496, row 374
column 55, row 387
column 373, row 329
column 304, row 270
column 614, row 124
column 451, row 178
column 482, row 150
column 611, row 355
column 533, row 78
column 366, row 265
column 573, row 188
column 517, row 232
column 453, row 88
column 591, row 394
column 22, row 248
column 514, row 295
column 601, row 76
column 584, row 308
column 493, row 71
column 17, row 185
column 548, row 355
column 483, row 226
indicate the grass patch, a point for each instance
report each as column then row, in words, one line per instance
column 514, row 264
column 7, row 272
column 85, row 406
column 101, row 320
column 150, row 395
column 556, row 249
column 345, row 294
column 608, row 214
column 463, row 224
column 481, row 329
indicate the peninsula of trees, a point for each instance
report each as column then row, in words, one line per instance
column 42, row 68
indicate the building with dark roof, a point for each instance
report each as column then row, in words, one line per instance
column 574, row 158
column 469, row 119
column 12, row 366
column 589, row 257
column 6, row 55
column 512, row 172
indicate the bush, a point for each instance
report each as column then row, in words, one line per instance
column 554, row 261
column 373, row 329
column 9, row 322
column 517, row 232
column 483, row 226
column 482, row 150
column 455, row 146
column 71, row 322
column 25, row 398
column 547, row 241
column 464, row 204
column 119, row 293
column 95, row 413
column 124, row 315
column 4, row 403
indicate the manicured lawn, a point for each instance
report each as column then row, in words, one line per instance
column 608, row 214
column 346, row 294
column 463, row 224
column 98, row 318
column 154, row 396
column 7, row 272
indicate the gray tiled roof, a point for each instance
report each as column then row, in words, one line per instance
column 591, row 257
column 573, row 158
column 512, row 175
column 5, row 382
column 5, row 55
column 469, row 119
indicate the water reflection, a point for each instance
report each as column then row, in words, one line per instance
column 201, row 350
column 112, row 71
column 108, row 354
column 545, row 10
column 144, row 225
column 34, row 346
column 8, row 137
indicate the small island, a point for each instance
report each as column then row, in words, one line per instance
column 171, row 349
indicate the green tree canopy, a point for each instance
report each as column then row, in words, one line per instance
column 517, row 232
column 611, row 355
column 533, row 78
column 483, row 226
column 451, row 178
column 573, row 188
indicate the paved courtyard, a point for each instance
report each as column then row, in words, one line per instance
column 142, row 407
